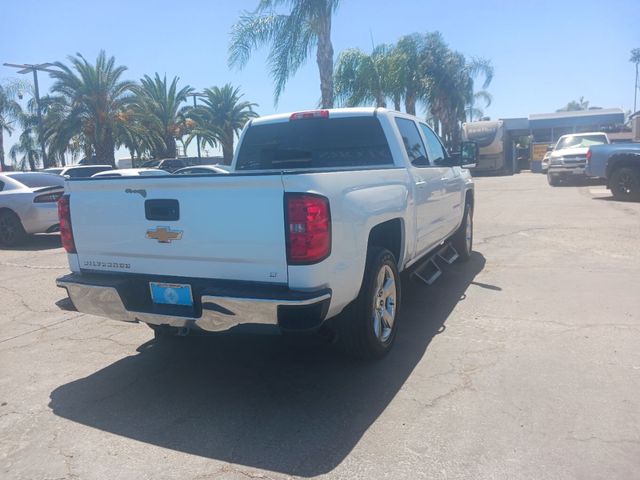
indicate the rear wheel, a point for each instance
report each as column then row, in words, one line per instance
column 462, row 240
column 367, row 328
column 11, row 231
column 625, row 183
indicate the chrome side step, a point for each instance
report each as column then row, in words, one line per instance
column 429, row 271
column 448, row 253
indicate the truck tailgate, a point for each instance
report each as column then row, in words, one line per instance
column 227, row 227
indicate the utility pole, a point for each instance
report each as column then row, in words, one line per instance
column 29, row 68
column 635, row 92
column 195, row 104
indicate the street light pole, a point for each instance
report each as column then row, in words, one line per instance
column 27, row 68
column 195, row 104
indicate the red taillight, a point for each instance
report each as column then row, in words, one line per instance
column 66, row 233
column 309, row 114
column 589, row 155
column 308, row 222
column 48, row 198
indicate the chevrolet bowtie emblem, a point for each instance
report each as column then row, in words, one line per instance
column 164, row 234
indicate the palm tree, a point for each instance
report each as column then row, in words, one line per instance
column 157, row 105
column 27, row 151
column 476, row 113
column 635, row 58
column 220, row 117
column 410, row 51
column 291, row 38
column 368, row 79
column 10, row 112
column 94, row 98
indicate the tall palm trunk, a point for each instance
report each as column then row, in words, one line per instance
column 227, row 146
column 396, row 103
column 105, row 152
column 324, row 59
column 32, row 162
column 410, row 103
column 3, row 167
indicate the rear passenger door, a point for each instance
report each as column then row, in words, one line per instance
column 430, row 212
column 449, row 176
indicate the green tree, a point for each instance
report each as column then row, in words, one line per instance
column 635, row 58
column 27, row 151
column 220, row 117
column 449, row 85
column 363, row 79
column 10, row 112
column 157, row 106
column 575, row 105
column 291, row 38
column 93, row 99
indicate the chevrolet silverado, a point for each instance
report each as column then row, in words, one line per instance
column 320, row 212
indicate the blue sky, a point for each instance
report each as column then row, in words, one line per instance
column 545, row 53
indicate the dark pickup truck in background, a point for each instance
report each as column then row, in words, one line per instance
column 619, row 164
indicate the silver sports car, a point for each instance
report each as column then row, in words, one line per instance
column 28, row 204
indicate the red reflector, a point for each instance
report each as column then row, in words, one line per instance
column 66, row 233
column 309, row 114
column 308, row 228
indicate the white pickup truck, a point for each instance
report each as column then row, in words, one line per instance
column 320, row 212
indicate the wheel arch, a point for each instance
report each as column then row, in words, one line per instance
column 390, row 235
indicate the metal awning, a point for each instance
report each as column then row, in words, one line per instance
column 604, row 116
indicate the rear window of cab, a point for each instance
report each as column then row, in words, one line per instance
column 314, row 143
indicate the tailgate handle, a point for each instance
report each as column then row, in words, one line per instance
column 162, row 209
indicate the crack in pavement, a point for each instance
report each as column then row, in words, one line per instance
column 44, row 327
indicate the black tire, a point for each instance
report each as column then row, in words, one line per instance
column 462, row 240
column 356, row 330
column 625, row 184
column 553, row 181
column 11, row 231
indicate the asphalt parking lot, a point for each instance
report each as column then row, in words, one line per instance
column 522, row 363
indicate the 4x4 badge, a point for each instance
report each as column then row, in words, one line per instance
column 164, row 234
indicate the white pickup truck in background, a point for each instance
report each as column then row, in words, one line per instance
column 320, row 212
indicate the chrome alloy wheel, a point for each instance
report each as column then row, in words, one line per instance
column 626, row 183
column 384, row 304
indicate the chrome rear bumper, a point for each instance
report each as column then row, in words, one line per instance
column 218, row 312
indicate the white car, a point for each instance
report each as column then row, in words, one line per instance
column 568, row 159
column 201, row 170
column 28, row 204
column 131, row 172
column 320, row 212
column 83, row 171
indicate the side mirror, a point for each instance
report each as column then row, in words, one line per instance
column 468, row 154
column 550, row 148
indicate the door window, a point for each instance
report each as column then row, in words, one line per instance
column 436, row 150
column 412, row 142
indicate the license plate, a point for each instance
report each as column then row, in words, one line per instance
column 171, row 293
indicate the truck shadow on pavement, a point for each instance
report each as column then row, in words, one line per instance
column 33, row 243
column 256, row 400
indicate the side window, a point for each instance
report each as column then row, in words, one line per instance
column 1, row 186
column 438, row 155
column 412, row 142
